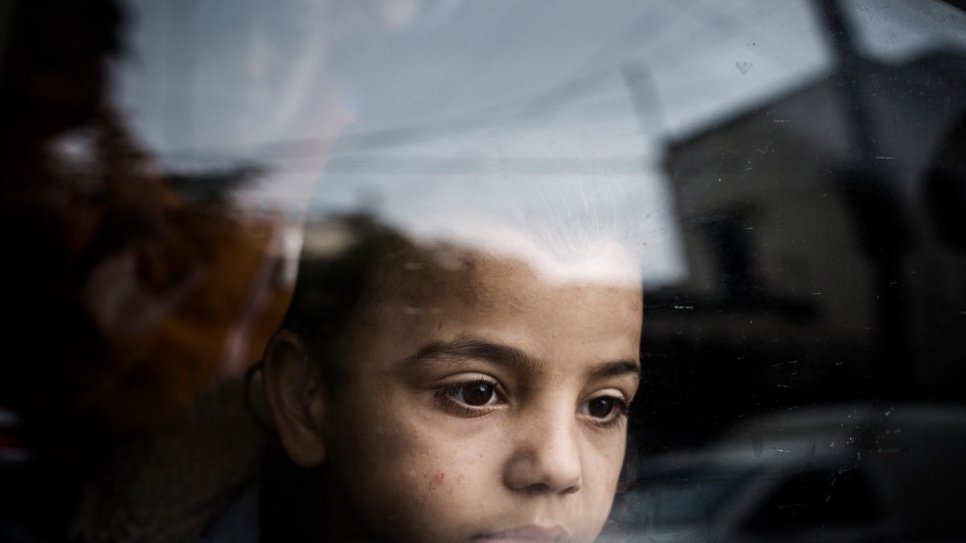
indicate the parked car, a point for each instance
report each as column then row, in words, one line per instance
column 846, row 473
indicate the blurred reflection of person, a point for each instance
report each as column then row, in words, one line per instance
column 121, row 292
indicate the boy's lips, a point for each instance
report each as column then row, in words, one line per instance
column 526, row 534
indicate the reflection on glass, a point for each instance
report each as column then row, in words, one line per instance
column 181, row 180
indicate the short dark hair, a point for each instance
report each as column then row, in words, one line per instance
column 335, row 272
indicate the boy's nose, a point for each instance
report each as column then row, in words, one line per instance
column 545, row 457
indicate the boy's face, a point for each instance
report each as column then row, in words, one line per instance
column 486, row 406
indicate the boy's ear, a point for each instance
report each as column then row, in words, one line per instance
column 295, row 398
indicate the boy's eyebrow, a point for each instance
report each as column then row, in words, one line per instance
column 617, row 368
column 469, row 347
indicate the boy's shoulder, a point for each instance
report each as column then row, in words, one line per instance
column 241, row 523
column 173, row 483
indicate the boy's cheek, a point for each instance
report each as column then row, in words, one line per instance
column 426, row 499
column 423, row 481
column 408, row 441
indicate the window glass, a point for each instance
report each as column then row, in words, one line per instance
column 449, row 270
column 681, row 501
column 814, row 501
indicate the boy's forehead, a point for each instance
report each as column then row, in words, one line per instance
column 499, row 300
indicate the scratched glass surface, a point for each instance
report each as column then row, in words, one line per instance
column 784, row 181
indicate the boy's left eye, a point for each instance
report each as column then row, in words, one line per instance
column 605, row 409
column 601, row 407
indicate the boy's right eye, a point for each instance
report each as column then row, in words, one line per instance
column 477, row 394
column 473, row 397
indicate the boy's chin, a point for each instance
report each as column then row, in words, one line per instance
column 349, row 520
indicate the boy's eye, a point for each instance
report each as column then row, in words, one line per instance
column 477, row 394
column 471, row 397
column 602, row 407
column 606, row 410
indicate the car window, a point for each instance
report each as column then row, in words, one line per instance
column 814, row 501
column 450, row 270
column 680, row 501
